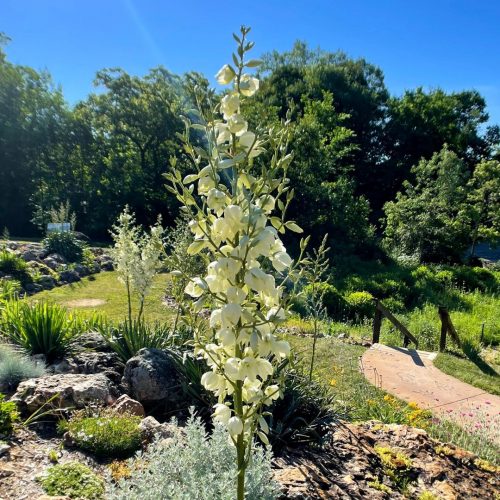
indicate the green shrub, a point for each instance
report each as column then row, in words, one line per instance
column 8, row 415
column 9, row 289
column 361, row 305
column 40, row 328
column 14, row 266
column 128, row 338
column 445, row 277
column 475, row 278
column 332, row 299
column 65, row 244
column 193, row 465
column 303, row 416
column 394, row 305
column 106, row 434
column 14, row 368
column 74, row 480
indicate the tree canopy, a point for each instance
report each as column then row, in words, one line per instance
column 427, row 156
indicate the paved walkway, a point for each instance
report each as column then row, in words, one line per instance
column 410, row 375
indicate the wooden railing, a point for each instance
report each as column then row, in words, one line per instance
column 380, row 312
column 447, row 327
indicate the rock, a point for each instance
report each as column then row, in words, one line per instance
column 46, row 282
column 106, row 263
column 69, row 276
column 29, row 255
column 65, row 365
column 57, row 258
column 91, row 341
column 149, row 426
column 75, row 390
column 33, row 288
column 125, row 404
column 81, row 270
column 80, row 236
column 150, row 429
column 50, row 263
column 4, row 448
column 151, row 375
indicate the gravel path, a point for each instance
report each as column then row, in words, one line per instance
column 410, row 375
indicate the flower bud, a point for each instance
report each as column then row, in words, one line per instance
column 235, row 426
column 225, row 75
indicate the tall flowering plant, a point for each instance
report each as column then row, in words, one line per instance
column 238, row 200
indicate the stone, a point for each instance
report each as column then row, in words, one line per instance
column 106, row 263
column 29, row 255
column 91, row 341
column 4, row 448
column 50, row 263
column 74, row 390
column 69, row 276
column 81, row 270
column 33, row 288
column 152, row 376
column 125, row 404
column 150, row 429
column 46, row 282
column 57, row 258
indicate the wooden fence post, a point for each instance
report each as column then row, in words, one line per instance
column 377, row 323
column 447, row 327
column 444, row 329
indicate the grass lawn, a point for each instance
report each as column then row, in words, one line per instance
column 106, row 287
column 479, row 374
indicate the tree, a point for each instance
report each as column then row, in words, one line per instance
column 427, row 219
column 483, row 204
column 420, row 123
column 33, row 118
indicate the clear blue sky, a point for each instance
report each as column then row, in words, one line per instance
column 452, row 44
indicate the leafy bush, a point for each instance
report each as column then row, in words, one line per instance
column 74, row 480
column 475, row 278
column 40, row 328
column 15, row 266
column 332, row 299
column 106, row 433
column 65, row 244
column 9, row 289
column 193, row 465
column 14, row 368
column 8, row 415
column 394, row 305
column 304, row 414
column 129, row 337
column 361, row 305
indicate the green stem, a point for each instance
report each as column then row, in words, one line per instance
column 141, row 309
column 315, row 336
column 240, row 453
column 129, row 302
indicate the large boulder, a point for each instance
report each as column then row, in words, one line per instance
column 68, row 390
column 152, row 376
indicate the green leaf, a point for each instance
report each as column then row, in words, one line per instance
column 253, row 63
column 190, row 178
column 196, row 247
column 293, row 227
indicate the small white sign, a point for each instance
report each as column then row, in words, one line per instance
column 58, row 227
